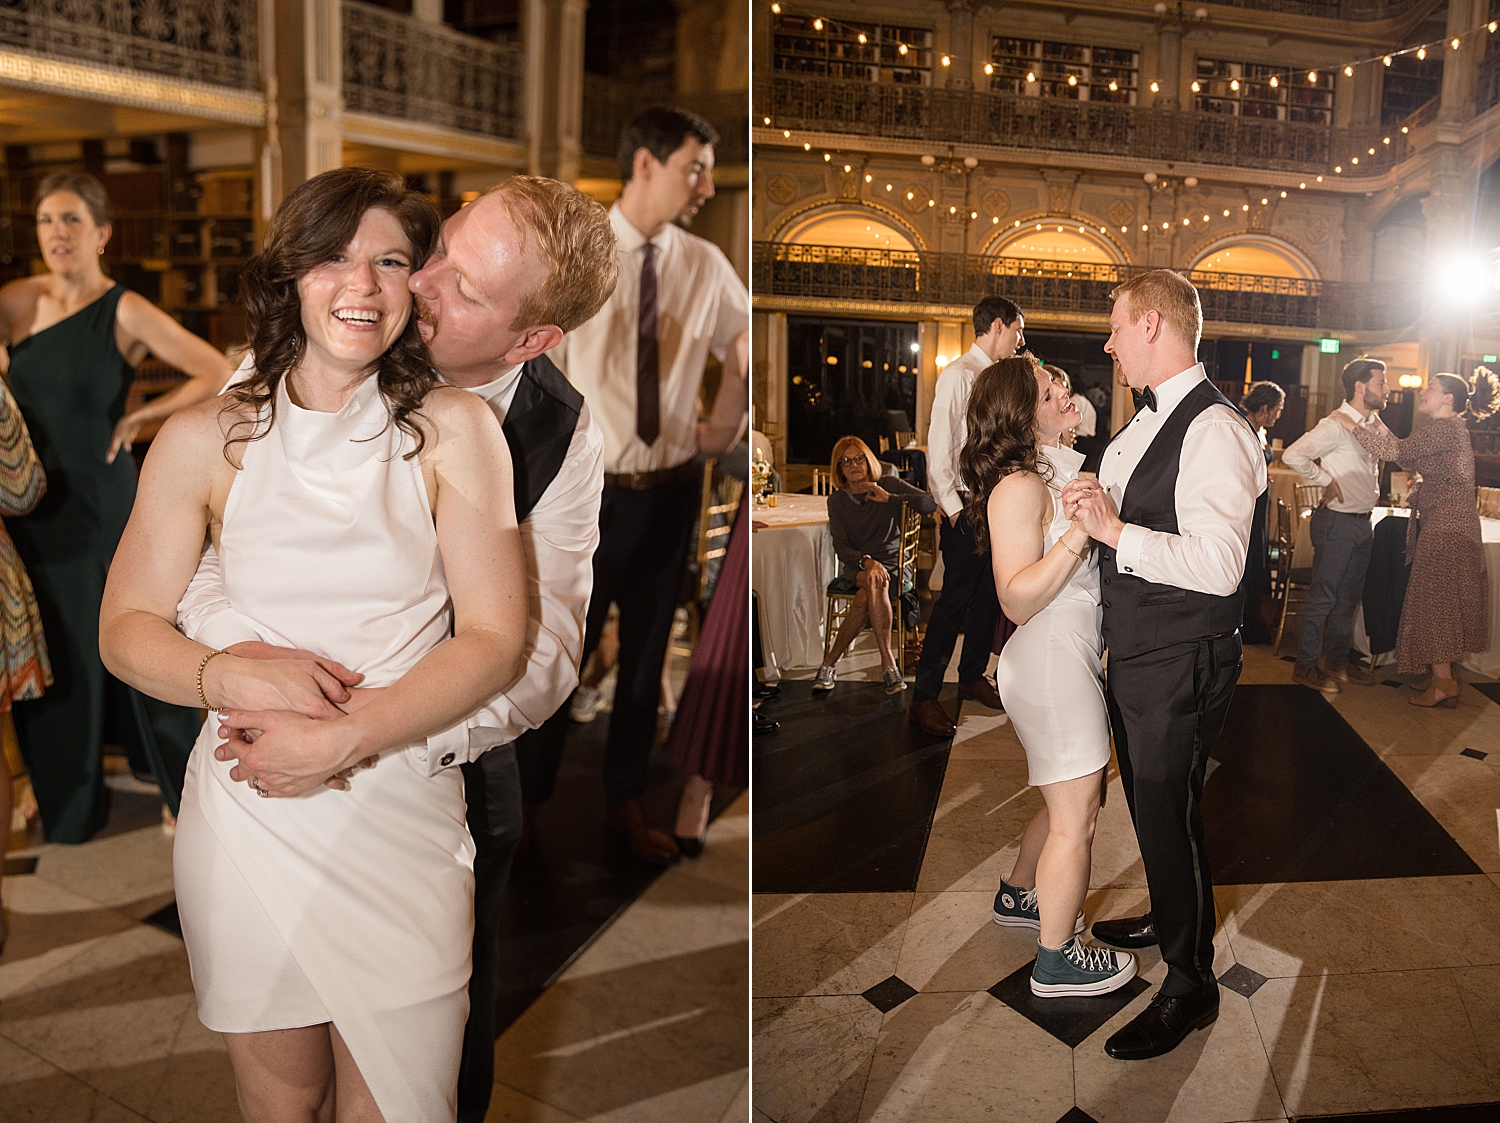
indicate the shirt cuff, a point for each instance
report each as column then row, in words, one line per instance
column 951, row 505
column 445, row 748
column 1131, row 547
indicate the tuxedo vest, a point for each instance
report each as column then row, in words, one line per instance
column 1139, row 615
column 539, row 427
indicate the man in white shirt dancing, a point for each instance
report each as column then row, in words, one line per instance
column 1328, row 455
column 1183, row 475
column 967, row 601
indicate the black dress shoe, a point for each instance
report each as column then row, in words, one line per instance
column 764, row 725
column 760, row 689
column 1161, row 1026
column 690, row 847
column 1126, row 931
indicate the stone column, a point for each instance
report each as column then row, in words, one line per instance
column 960, row 45
column 1461, row 67
column 305, row 136
column 770, row 369
column 552, row 31
column 1168, row 66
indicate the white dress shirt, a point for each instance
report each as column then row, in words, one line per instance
column 559, row 537
column 701, row 306
column 1222, row 472
column 948, row 427
column 1088, row 419
column 1343, row 458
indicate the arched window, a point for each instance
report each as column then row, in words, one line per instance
column 1056, row 244
column 1257, row 257
column 849, row 230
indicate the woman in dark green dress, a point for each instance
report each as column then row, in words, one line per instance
column 75, row 339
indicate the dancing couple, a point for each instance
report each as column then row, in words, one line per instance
column 1145, row 561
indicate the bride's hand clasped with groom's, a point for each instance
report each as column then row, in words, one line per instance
column 1086, row 502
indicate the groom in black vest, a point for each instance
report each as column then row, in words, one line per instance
column 1172, row 511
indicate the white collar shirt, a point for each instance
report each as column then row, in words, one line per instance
column 1329, row 453
column 1221, row 472
column 948, row 427
column 558, row 538
column 702, row 306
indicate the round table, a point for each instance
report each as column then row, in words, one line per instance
column 794, row 561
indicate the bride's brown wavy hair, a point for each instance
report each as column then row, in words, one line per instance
column 1002, row 436
column 311, row 227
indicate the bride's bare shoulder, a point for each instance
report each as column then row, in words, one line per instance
column 204, row 428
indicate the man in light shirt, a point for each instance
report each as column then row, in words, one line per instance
column 1171, row 513
column 1328, row 455
column 967, row 601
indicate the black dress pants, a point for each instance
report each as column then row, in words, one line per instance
column 644, row 538
column 492, row 786
column 1166, row 709
column 968, row 595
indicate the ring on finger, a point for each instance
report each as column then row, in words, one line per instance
column 260, row 791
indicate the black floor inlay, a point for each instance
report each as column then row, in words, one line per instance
column 20, row 865
column 1397, row 683
column 1459, row 1113
column 889, row 993
column 166, row 919
column 1299, row 796
column 844, row 796
column 1242, row 980
column 1473, row 754
column 1077, row 1115
column 1490, row 690
column 1070, row 1020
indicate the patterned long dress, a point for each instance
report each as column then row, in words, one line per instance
column 24, row 669
column 1446, row 613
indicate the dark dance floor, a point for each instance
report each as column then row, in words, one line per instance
column 845, row 794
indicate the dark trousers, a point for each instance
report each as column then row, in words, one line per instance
column 967, row 603
column 1166, row 709
column 1341, row 555
column 492, row 786
column 644, row 537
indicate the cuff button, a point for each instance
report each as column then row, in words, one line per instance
column 446, row 760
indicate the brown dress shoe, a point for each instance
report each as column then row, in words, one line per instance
column 649, row 842
column 1350, row 674
column 1314, row 679
column 929, row 715
column 982, row 691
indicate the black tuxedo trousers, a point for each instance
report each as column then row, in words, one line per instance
column 1166, row 709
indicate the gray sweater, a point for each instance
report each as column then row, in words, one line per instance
column 866, row 526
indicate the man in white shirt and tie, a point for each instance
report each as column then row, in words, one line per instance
column 1328, row 455
column 967, row 601
column 1184, row 476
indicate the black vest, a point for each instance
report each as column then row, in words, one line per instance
column 539, row 427
column 1141, row 616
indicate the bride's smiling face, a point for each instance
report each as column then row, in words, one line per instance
column 355, row 306
column 1055, row 411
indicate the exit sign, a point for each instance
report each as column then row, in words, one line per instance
column 1492, row 358
column 1328, row 346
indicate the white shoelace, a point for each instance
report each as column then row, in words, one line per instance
column 1090, row 958
column 1028, row 900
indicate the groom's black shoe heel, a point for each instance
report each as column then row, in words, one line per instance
column 1161, row 1026
column 1126, row 932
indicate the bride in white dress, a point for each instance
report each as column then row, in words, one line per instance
column 1049, row 674
column 362, row 513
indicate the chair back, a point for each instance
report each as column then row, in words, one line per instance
column 822, row 481
column 1488, row 502
column 719, row 500
column 906, row 440
column 906, row 553
column 1281, row 548
column 1308, row 497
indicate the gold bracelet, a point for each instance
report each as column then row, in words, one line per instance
column 201, row 696
column 1060, row 542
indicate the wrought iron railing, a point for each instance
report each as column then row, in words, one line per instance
column 1363, row 10
column 961, row 280
column 399, row 66
column 608, row 106
column 870, row 109
column 202, row 40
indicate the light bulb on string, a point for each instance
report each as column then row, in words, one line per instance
column 1072, row 79
column 989, row 68
column 1030, row 76
column 1156, row 87
column 1386, row 60
column 817, row 25
column 862, row 38
column 1312, row 76
column 946, row 60
column 1421, row 52
column 1348, row 72
column 902, row 48
column 1275, row 81
column 1234, row 84
column 1453, row 43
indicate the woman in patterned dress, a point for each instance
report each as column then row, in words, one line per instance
column 1446, row 613
column 24, row 669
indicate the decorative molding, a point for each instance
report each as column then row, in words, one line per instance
column 996, row 203
column 433, row 140
column 132, row 87
column 1121, row 212
column 1318, row 230
column 782, row 189
column 999, row 238
column 918, row 201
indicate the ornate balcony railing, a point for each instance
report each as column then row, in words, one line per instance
column 1362, row 10
column 398, row 66
column 608, row 106
column 201, row 40
column 961, row 280
column 870, row 109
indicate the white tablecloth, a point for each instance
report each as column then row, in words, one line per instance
column 794, row 561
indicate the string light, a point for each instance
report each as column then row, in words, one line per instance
column 1312, row 76
column 1072, row 79
column 946, row 60
column 1454, row 43
column 817, row 25
column 989, row 68
column 1234, row 84
column 1386, row 60
column 1348, row 72
column 1275, row 81
column 1031, row 76
column 902, row 48
column 1196, row 87
column 1422, row 52
column 1156, row 87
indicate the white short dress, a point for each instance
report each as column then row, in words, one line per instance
column 352, row 907
column 1049, row 676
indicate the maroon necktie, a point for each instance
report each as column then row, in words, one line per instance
column 647, row 367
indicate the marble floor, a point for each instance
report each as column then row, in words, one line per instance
column 98, row 1023
column 1341, row 994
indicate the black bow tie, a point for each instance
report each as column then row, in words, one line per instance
column 1146, row 397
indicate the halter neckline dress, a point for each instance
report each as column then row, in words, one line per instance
column 1050, row 675
column 352, row 907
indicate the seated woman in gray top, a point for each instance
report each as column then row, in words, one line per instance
column 865, row 519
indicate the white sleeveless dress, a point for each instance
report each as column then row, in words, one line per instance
column 352, row 907
column 1049, row 675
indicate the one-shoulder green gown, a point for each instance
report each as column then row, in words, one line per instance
column 71, row 382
